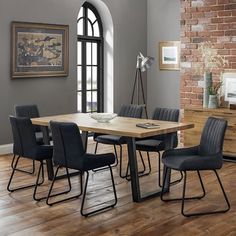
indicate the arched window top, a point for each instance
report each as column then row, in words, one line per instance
column 89, row 22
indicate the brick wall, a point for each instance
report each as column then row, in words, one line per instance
column 204, row 20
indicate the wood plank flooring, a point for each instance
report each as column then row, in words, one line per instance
column 20, row 215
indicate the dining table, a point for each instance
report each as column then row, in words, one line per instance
column 122, row 126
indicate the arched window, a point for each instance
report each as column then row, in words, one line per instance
column 89, row 60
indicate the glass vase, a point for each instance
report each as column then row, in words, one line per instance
column 207, row 84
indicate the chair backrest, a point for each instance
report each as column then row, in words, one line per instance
column 212, row 137
column 67, row 143
column 30, row 111
column 131, row 110
column 24, row 141
column 167, row 114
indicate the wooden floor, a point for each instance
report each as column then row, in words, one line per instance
column 20, row 215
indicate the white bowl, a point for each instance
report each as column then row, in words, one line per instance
column 103, row 117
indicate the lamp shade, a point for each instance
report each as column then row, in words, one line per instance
column 145, row 62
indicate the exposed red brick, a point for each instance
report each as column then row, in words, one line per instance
column 217, row 20
column 226, row 26
column 197, row 15
column 223, row 2
column 218, row 33
column 230, row 19
column 223, row 51
column 210, row 2
column 230, row 32
column 232, row 52
column 208, row 20
column 224, row 13
column 230, row 6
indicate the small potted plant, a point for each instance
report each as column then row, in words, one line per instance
column 213, row 94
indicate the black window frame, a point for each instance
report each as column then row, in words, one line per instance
column 100, row 58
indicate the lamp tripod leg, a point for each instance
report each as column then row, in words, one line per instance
column 135, row 81
column 141, row 81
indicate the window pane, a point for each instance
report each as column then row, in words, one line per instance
column 80, row 13
column 88, row 53
column 94, row 85
column 89, row 78
column 79, row 78
column 79, row 102
column 94, row 101
column 96, row 29
column 90, row 30
column 94, row 53
column 79, row 53
column 80, row 27
column 89, row 102
column 91, row 15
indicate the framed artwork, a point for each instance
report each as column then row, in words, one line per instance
column 169, row 55
column 39, row 50
column 229, row 85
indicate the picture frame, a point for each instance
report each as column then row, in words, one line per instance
column 39, row 50
column 169, row 55
column 229, row 86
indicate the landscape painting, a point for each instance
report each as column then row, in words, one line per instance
column 169, row 53
column 39, row 50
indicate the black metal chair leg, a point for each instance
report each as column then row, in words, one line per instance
column 186, row 198
column 96, row 148
column 64, row 192
column 206, row 212
column 142, row 172
column 39, row 183
column 24, row 171
column 100, row 209
column 159, row 173
column 12, row 174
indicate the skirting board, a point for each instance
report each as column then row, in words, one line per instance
column 6, row 149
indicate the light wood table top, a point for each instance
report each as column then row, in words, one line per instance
column 122, row 126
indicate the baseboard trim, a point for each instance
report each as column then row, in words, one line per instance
column 6, row 149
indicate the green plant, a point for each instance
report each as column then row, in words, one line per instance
column 214, row 88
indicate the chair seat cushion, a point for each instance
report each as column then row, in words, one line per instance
column 110, row 139
column 92, row 161
column 150, row 145
column 192, row 162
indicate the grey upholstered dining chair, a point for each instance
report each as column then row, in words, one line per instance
column 206, row 156
column 134, row 111
column 29, row 111
column 69, row 153
column 26, row 146
column 157, row 143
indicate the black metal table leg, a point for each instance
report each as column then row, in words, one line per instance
column 49, row 163
column 133, row 170
column 137, row 195
column 168, row 145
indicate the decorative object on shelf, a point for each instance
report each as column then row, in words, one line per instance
column 103, row 117
column 143, row 63
column 169, row 55
column 210, row 60
column 213, row 94
column 39, row 50
column 207, row 84
column 229, row 85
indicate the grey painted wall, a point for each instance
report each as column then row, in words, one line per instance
column 58, row 95
column 163, row 20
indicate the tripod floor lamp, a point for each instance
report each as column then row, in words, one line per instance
column 143, row 63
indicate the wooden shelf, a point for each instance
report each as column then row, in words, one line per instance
column 198, row 116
